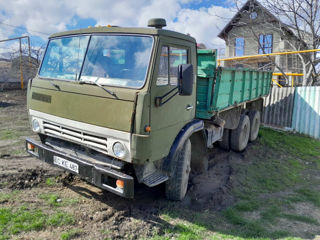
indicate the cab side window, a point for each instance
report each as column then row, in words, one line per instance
column 162, row 78
column 170, row 59
column 177, row 56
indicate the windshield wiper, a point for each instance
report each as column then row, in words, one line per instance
column 55, row 85
column 99, row 85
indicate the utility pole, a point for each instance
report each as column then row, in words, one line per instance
column 21, row 74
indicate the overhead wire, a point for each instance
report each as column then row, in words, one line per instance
column 24, row 28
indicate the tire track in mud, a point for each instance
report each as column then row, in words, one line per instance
column 213, row 189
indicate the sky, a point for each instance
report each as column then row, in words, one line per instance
column 40, row 18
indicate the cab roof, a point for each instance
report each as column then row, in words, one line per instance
column 146, row 31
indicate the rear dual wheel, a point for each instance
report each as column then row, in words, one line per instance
column 240, row 136
column 255, row 120
column 247, row 131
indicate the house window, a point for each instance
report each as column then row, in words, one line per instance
column 239, row 47
column 265, row 43
column 253, row 15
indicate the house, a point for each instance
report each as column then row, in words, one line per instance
column 253, row 31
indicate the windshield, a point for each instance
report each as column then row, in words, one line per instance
column 115, row 60
column 64, row 57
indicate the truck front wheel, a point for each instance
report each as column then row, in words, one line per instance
column 176, row 186
column 240, row 136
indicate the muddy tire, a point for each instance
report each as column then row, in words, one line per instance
column 176, row 186
column 225, row 142
column 255, row 120
column 240, row 136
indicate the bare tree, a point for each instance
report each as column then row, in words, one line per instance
column 298, row 24
column 303, row 17
column 293, row 28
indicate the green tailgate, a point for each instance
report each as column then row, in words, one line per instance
column 220, row 88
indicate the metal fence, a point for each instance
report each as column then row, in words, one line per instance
column 278, row 107
column 295, row 108
column 306, row 112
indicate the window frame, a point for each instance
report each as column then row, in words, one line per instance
column 253, row 15
column 158, row 66
column 235, row 47
column 262, row 47
column 169, row 46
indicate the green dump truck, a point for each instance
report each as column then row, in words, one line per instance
column 122, row 105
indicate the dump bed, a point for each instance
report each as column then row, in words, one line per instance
column 221, row 88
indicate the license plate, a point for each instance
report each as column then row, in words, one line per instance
column 66, row 164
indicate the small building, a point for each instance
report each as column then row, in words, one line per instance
column 254, row 31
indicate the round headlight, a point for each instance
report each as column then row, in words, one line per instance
column 35, row 125
column 119, row 150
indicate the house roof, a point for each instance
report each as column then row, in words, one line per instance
column 247, row 6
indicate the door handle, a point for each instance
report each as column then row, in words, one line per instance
column 189, row 107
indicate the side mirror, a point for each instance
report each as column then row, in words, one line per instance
column 185, row 79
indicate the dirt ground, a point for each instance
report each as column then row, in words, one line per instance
column 102, row 215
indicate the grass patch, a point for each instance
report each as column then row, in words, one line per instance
column 52, row 200
column 279, row 165
column 23, row 219
column 270, row 213
column 8, row 196
column 187, row 231
column 70, row 234
column 60, row 219
column 300, row 218
column 234, row 217
column 227, row 237
column 50, row 182
column 249, row 229
column 7, row 134
column 297, row 144
column 309, row 195
column 13, row 222
column 247, row 206
column 18, row 152
column 267, row 176
column 3, row 184
column 176, row 228
column 183, row 231
column 227, row 224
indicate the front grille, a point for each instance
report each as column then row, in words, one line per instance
column 75, row 136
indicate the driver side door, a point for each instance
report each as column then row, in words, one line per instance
column 176, row 111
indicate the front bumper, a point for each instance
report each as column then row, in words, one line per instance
column 101, row 176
